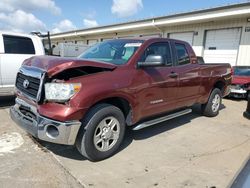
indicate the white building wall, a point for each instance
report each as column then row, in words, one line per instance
column 201, row 28
column 244, row 51
column 198, row 41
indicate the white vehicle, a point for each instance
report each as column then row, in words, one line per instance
column 14, row 49
column 69, row 49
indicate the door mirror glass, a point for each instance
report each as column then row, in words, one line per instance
column 152, row 61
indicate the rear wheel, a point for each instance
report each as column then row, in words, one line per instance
column 212, row 107
column 103, row 133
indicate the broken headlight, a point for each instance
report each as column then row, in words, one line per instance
column 61, row 92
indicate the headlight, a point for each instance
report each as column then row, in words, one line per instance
column 61, row 92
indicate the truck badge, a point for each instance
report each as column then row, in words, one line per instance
column 26, row 84
column 156, row 101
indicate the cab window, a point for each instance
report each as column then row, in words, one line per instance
column 18, row 45
column 182, row 54
column 161, row 48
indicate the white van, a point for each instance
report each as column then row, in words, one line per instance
column 14, row 49
column 69, row 49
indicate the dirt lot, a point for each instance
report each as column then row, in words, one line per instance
column 189, row 151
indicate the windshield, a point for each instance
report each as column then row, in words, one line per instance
column 117, row 52
column 242, row 71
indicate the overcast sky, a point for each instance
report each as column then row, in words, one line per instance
column 64, row 15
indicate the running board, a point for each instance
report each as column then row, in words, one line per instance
column 161, row 119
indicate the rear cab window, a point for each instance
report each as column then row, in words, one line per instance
column 159, row 48
column 182, row 54
column 18, row 45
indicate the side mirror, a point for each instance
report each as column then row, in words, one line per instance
column 152, row 61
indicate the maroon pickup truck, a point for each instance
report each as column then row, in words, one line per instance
column 89, row 101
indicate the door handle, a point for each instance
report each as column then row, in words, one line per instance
column 173, row 75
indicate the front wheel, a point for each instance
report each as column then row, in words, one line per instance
column 212, row 107
column 102, row 132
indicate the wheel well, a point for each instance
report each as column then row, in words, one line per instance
column 121, row 103
column 220, row 85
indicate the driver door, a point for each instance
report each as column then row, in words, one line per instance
column 159, row 91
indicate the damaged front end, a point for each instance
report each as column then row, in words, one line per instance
column 40, row 76
column 43, row 92
column 79, row 71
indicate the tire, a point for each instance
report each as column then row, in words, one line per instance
column 248, row 95
column 212, row 107
column 101, row 133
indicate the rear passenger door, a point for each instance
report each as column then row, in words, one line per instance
column 189, row 76
column 16, row 50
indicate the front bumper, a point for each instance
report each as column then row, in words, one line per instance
column 26, row 116
column 237, row 92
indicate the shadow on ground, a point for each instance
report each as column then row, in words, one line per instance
column 72, row 153
column 7, row 101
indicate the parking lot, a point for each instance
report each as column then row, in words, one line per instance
column 189, row 151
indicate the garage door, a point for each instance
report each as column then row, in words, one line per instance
column 104, row 39
column 186, row 36
column 127, row 37
column 148, row 36
column 221, row 46
column 91, row 42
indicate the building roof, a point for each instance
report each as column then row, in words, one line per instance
column 222, row 12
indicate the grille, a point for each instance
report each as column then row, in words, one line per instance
column 32, row 86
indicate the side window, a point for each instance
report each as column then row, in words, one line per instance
column 182, row 55
column 18, row 45
column 159, row 48
column 128, row 52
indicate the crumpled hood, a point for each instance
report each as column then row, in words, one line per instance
column 54, row 65
column 240, row 80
